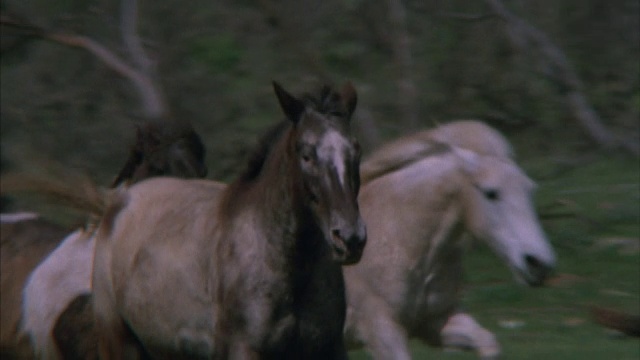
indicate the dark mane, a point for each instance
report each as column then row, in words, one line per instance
column 261, row 152
column 392, row 158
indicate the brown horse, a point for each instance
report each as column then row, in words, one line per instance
column 161, row 148
column 422, row 195
column 194, row 269
column 25, row 240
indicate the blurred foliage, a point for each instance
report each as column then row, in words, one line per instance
column 220, row 54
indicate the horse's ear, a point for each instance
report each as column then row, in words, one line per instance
column 468, row 159
column 349, row 97
column 291, row 106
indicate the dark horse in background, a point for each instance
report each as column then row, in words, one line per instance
column 160, row 148
column 196, row 269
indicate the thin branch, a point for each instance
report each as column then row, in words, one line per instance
column 556, row 67
column 130, row 37
column 153, row 104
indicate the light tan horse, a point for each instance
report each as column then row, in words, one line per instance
column 197, row 270
column 421, row 195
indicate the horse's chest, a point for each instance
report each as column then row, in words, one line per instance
column 297, row 321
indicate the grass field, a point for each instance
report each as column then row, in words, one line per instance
column 591, row 213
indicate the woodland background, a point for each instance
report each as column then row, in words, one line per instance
column 415, row 64
column 560, row 78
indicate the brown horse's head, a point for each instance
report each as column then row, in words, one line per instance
column 164, row 148
column 328, row 160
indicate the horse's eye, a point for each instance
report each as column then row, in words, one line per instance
column 307, row 155
column 491, row 194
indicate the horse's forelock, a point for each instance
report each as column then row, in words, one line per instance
column 326, row 101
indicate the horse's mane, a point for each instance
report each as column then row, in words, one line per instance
column 400, row 153
column 397, row 155
column 475, row 136
column 260, row 153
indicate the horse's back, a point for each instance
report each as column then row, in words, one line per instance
column 160, row 211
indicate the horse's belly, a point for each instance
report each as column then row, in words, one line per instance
column 169, row 323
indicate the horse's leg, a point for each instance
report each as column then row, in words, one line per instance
column 240, row 350
column 115, row 340
column 112, row 333
column 383, row 336
column 462, row 332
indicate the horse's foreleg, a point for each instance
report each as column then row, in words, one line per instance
column 241, row 350
column 112, row 334
column 462, row 332
column 385, row 338
column 115, row 340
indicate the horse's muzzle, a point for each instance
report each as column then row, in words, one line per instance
column 347, row 246
column 537, row 271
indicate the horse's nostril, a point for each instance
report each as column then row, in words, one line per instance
column 534, row 263
column 538, row 267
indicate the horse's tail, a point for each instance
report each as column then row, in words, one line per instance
column 75, row 191
column 626, row 323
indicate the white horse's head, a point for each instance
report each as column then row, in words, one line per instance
column 500, row 212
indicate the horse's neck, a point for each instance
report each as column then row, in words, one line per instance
column 441, row 208
column 445, row 239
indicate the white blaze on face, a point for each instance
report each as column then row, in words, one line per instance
column 332, row 149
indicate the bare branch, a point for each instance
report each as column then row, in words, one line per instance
column 153, row 103
column 129, row 17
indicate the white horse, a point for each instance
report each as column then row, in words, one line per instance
column 421, row 195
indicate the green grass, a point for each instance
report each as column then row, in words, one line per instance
column 591, row 214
